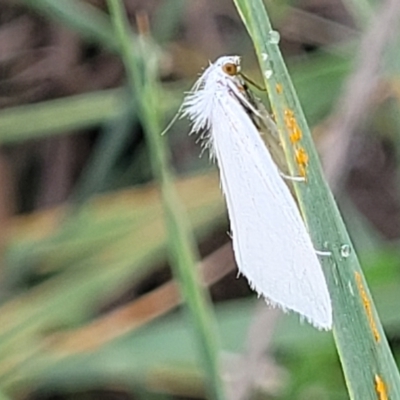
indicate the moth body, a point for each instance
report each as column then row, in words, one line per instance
column 272, row 247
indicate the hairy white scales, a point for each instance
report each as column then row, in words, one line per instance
column 271, row 244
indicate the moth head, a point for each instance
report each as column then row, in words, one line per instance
column 230, row 65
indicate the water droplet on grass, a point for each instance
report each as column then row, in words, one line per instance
column 268, row 73
column 274, row 37
column 345, row 250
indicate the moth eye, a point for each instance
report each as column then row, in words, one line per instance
column 230, row 69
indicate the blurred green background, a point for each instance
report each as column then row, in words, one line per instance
column 89, row 308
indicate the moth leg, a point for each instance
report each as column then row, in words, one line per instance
column 323, row 253
column 243, row 99
column 292, row 178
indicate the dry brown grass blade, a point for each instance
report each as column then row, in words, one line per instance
column 254, row 364
column 355, row 103
column 141, row 311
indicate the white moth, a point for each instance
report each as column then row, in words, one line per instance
column 271, row 244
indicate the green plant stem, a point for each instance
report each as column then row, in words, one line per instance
column 141, row 69
column 369, row 367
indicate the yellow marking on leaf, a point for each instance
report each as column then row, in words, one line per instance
column 301, row 160
column 295, row 136
column 367, row 306
column 380, row 388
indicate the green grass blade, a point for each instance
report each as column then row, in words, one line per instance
column 140, row 61
column 53, row 117
column 368, row 364
column 114, row 138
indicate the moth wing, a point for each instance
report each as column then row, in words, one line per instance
column 269, row 134
column 271, row 244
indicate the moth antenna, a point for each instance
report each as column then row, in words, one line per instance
column 174, row 119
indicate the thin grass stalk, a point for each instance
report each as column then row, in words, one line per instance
column 140, row 62
column 114, row 137
column 368, row 364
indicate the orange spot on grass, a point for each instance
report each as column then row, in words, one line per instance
column 301, row 156
column 295, row 133
column 380, row 388
column 278, row 88
column 367, row 306
column 301, row 160
column 295, row 136
column 289, row 113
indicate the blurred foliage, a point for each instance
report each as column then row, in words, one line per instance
column 83, row 238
